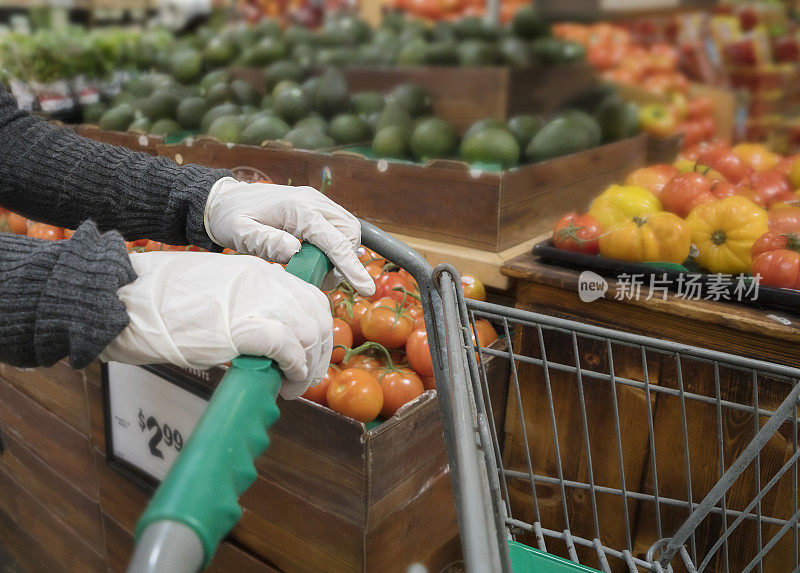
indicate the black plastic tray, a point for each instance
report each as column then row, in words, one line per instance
column 769, row 298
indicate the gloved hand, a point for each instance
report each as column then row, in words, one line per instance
column 269, row 221
column 198, row 310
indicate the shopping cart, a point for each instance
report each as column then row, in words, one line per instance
column 618, row 451
column 577, row 456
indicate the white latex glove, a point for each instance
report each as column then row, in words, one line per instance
column 269, row 221
column 199, row 310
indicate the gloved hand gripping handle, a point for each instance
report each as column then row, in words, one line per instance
column 216, row 465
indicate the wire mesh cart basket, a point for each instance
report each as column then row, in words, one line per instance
column 614, row 451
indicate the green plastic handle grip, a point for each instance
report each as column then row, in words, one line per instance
column 216, row 465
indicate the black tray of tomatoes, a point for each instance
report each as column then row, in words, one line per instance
column 687, row 278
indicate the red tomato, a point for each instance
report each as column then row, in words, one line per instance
column 772, row 241
column 374, row 269
column 153, row 246
column 419, row 353
column 699, row 107
column 67, row 233
column 429, row 382
column 722, row 159
column 355, row 393
column 318, row 393
column 578, row 233
column 685, row 192
column 399, row 388
column 386, row 284
column 366, row 362
column 473, row 288
column 350, row 308
column 784, row 220
column 653, row 178
column 771, row 186
column 386, row 322
column 779, row 268
column 342, row 336
column 693, row 132
column 46, row 232
column 17, row 223
column 227, row 251
column 723, row 189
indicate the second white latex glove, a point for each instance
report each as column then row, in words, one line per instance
column 199, row 310
column 269, row 221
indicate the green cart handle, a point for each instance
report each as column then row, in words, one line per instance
column 216, row 465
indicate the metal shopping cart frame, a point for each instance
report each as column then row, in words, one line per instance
column 481, row 483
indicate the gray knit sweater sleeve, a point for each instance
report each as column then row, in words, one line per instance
column 59, row 299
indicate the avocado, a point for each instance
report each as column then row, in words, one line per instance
column 304, row 55
column 284, row 85
column 215, row 77
column 617, row 118
column 190, row 112
column 348, row 128
column 443, row 31
column 122, row 97
column 475, row 28
column 268, row 27
column 220, row 93
column 186, row 66
column 433, row 138
column 491, row 146
column 244, row 93
column 391, row 141
column 366, row 103
column 554, row 51
column 483, row 124
column 395, row 113
column 266, row 51
column 515, row 52
column 291, row 104
column 219, row 51
column 527, row 24
column 331, row 96
column 309, row 87
column 160, row 105
column 312, row 122
column 264, row 129
column 588, row 122
column 227, row 129
column 165, row 127
column 442, row 53
column 413, row 52
column 297, row 35
column 282, row 70
column 589, row 99
column 524, row 127
column 477, row 53
column 222, row 110
column 413, row 97
column 562, row 136
column 308, row 138
column 140, row 125
column 93, row 112
column 267, row 101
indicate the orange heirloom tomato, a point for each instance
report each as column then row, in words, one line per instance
column 779, row 268
column 17, row 223
column 774, row 241
column 783, row 219
column 619, row 204
column 724, row 232
column 355, row 393
column 660, row 237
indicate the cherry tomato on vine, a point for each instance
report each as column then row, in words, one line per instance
column 387, row 283
column 387, row 322
column 419, row 353
column 355, row 393
column 399, row 387
column 342, row 336
column 486, row 333
column 416, row 314
column 350, row 307
column 318, row 393
column 578, row 233
column 366, row 362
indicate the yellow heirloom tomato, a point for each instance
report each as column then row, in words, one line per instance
column 659, row 237
column 621, row 203
column 724, row 232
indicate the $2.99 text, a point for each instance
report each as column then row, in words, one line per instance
column 171, row 438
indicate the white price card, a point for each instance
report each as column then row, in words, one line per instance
column 150, row 418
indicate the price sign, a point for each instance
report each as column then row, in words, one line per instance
column 149, row 417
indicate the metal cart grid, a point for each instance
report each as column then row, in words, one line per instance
column 619, row 451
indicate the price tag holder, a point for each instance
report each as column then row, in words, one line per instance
column 150, row 412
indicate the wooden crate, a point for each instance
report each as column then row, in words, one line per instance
column 463, row 96
column 273, row 161
column 448, row 201
column 133, row 141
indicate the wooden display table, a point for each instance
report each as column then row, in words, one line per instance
column 720, row 326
